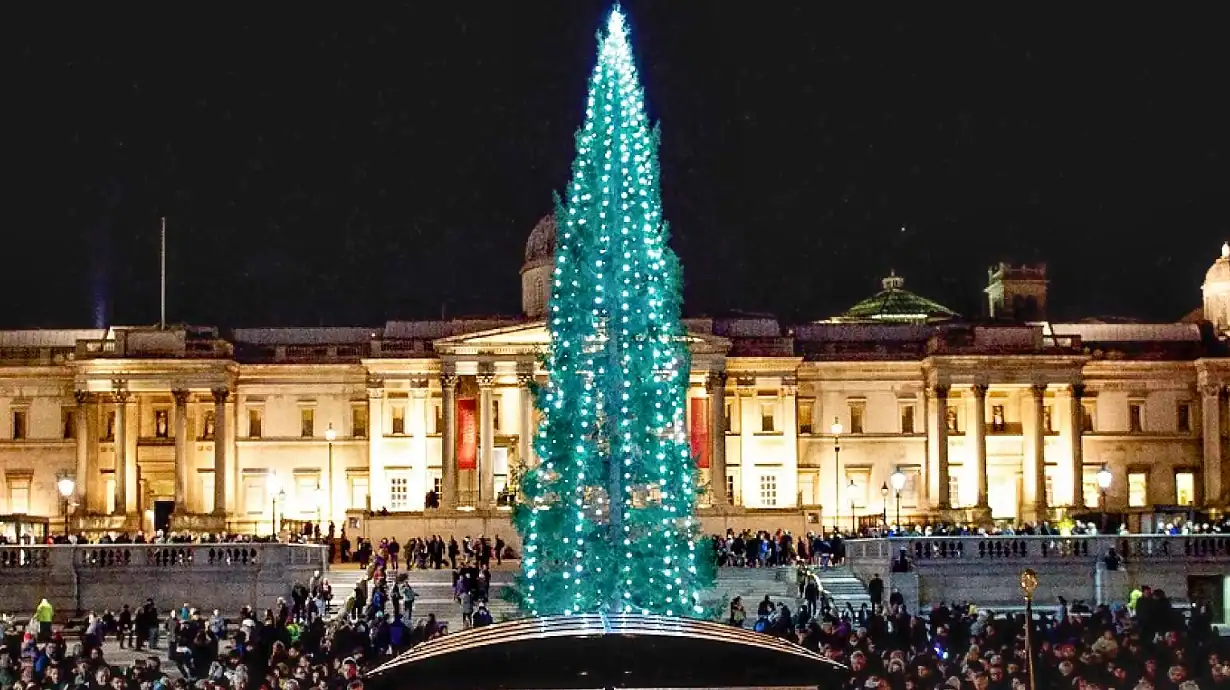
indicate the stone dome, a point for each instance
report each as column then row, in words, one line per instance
column 1219, row 272
column 541, row 244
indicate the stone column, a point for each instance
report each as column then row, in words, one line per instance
column 1035, row 462
column 1075, row 417
column 121, row 451
column 486, row 443
column 220, row 395
column 1211, row 418
column 525, row 436
column 940, row 393
column 181, row 449
column 716, row 385
column 448, row 441
column 81, row 427
column 375, row 451
column 979, row 430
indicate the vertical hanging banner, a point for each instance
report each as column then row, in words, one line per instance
column 467, row 434
column 699, row 432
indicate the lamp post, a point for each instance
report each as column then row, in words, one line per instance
column 853, row 527
column 898, row 480
column 1104, row 480
column 318, row 498
column 275, row 488
column 884, row 497
column 66, row 486
column 1029, row 584
column 836, row 431
column 330, row 436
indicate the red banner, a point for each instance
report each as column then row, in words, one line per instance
column 467, row 434
column 700, row 432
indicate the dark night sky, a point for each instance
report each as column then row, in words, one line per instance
column 344, row 168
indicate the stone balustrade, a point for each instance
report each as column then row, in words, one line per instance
column 100, row 576
column 985, row 570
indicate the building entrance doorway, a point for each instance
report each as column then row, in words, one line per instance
column 162, row 515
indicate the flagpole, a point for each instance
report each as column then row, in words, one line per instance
column 162, row 259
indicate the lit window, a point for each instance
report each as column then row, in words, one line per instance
column 307, row 422
column 495, row 414
column 1138, row 489
column 805, row 414
column 954, row 487
column 399, row 492
column 1048, row 420
column 19, row 496
column 1136, row 413
column 1088, row 410
column 399, row 420
column 1185, row 488
column 857, row 412
column 360, row 486
column 254, row 423
column 907, row 419
column 358, row 421
column 254, row 495
column 1090, row 490
column 730, row 488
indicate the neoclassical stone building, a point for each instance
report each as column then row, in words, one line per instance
column 1011, row 416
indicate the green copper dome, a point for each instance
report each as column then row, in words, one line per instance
column 894, row 304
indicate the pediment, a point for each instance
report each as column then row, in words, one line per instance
column 534, row 337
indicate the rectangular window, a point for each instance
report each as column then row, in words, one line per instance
column 768, row 490
column 307, row 422
column 1050, row 487
column 766, row 417
column 1089, row 487
column 109, row 427
column 855, row 491
column 907, row 418
column 1185, row 488
column 19, row 496
column 1048, row 421
column 254, row 422
column 207, row 425
column 162, row 423
column 495, row 413
column 254, row 502
column 1184, row 416
column 857, row 412
column 305, row 494
column 399, row 492
column 727, row 411
column 730, row 489
column 805, row 406
column 360, row 487
column 19, row 425
column 910, row 495
column 438, row 417
column 1088, row 411
column 1136, row 414
column 954, row 487
column 68, row 423
column 1138, row 489
column 358, row 421
column 399, row 420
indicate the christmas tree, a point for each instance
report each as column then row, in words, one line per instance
column 608, row 521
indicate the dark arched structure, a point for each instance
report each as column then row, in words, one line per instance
column 597, row 651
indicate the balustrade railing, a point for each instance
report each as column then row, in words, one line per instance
column 159, row 556
column 922, row 550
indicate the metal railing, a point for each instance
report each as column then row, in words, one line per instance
column 921, row 550
column 159, row 556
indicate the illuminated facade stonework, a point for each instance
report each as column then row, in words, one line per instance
column 1011, row 418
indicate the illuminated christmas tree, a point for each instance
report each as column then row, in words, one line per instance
column 608, row 521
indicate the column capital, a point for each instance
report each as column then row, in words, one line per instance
column 486, row 380
column 1211, row 390
column 715, row 382
column 1078, row 390
column 448, row 381
column 745, row 385
column 221, row 393
column 374, row 382
column 525, row 378
column 980, row 390
column 121, row 395
column 83, row 397
column 1038, row 391
column 940, row 391
column 181, row 396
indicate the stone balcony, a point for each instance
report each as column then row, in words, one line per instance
column 985, row 570
column 107, row 576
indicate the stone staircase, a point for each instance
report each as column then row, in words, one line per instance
column 844, row 588
column 434, row 589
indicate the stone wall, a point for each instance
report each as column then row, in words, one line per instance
column 206, row 576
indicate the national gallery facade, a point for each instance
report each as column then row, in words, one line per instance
column 1008, row 416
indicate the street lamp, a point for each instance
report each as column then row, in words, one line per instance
column 66, row 486
column 318, row 497
column 1104, row 479
column 836, row 431
column 330, row 436
column 853, row 527
column 884, row 496
column 1029, row 584
column 898, row 480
